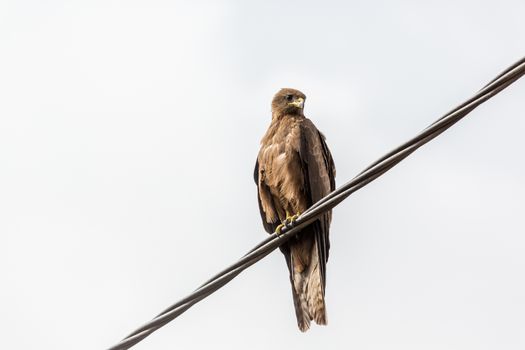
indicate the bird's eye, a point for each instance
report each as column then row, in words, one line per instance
column 289, row 97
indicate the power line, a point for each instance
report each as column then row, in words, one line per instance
column 372, row 172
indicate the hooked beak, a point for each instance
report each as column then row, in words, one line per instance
column 299, row 102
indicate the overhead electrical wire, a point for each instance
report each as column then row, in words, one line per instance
column 372, row 172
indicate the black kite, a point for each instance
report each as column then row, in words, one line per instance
column 294, row 169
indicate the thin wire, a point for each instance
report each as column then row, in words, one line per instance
column 372, row 172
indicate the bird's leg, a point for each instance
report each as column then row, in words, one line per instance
column 278, row 229
column 290, row 219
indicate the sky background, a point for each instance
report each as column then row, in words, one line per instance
column 128, row 136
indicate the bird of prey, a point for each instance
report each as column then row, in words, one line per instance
column 295, row 169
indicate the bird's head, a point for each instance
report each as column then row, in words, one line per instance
column 288, row 101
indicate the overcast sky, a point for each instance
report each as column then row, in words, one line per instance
column 128, row 136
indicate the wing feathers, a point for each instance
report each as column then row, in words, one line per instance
column 317, row 165
column 307, row 175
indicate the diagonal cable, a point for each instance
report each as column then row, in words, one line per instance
column 372, row 172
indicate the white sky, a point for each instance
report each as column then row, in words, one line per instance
column 128, row 135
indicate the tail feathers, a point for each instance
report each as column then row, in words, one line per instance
column 301, row 310
column 315, row 296
column 308, row 293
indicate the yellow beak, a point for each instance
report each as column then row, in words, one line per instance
column 299, row 103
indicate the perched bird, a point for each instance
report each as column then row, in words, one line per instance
column 294, row 169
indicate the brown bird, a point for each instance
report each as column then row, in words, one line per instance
column 294, row 169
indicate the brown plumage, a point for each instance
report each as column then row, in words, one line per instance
column 294, row 169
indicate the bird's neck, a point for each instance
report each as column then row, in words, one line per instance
column 282, row 116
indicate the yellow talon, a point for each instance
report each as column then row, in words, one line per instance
column 279, row 228
column 290, row 219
